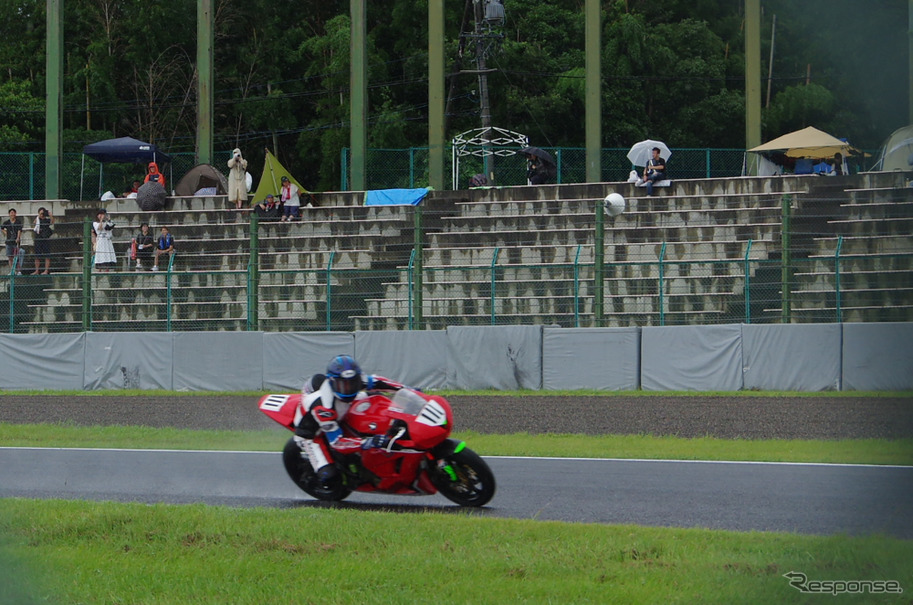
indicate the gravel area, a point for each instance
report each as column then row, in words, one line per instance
column 744, row 417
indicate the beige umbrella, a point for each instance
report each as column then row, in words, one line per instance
column 807, row 143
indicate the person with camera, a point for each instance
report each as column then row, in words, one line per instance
column 237, row 179
column 13, row 231
column 103, row 242
column 43, row 232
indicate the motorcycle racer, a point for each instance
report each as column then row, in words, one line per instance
column 325, row 400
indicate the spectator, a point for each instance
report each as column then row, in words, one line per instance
column 478, row 180
column 132, row 190
column 144, row 245
column 102, row 241
column 539, row 171
column 43, row 232
column 164, row 245
column 838, row 164
column 266, row 209
column 13, row 230
column 655, row 170
column 154, row 175
column 290, row 201
column 237, row 179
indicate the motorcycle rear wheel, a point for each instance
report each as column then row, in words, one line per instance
column 302, row 473
column 474, row 484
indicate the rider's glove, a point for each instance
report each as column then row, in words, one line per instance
column 377, row 441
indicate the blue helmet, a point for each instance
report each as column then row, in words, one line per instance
column 345, row 377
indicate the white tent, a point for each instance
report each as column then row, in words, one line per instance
column 898, row 150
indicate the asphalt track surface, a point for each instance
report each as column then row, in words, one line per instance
column 814, row 499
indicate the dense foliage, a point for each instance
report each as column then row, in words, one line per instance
column 672, row 70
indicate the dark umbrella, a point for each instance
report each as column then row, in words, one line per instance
column 151, row 196
column 539, row 153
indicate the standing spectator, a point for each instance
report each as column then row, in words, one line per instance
column 655, row 170
column 144, row 245
column 290, row 200
column 102, row 240
column 43, row 232
column 154, row 175
column 13, row 230
column 237, row 179
column 164, row 245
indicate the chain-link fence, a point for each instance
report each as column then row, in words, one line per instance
column 181, row 297
column 406, row 168
column 22, row 175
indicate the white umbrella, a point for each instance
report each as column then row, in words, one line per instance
column 643, row 151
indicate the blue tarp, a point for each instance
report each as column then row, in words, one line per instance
column 395, row 197
column 125, row 150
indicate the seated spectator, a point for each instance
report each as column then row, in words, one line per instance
column 130, row 192
column 478, row 180
column 144, row 246
column 539, row 171
column 291, row 203
column 266, row 209
column 655, row 170
column 164, row 245
column 154, row 175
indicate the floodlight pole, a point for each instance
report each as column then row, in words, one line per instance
column 53, row 137
column 205, row 44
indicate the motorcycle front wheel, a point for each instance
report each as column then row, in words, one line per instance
column 302, row 473
column 463, row 477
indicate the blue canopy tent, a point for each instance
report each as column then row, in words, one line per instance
column 125, row 150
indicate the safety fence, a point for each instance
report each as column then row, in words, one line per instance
column 639, row 293
column 83, row 178
column 406, row 168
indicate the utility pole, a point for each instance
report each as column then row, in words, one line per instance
column 484, row 106
column 485, row 37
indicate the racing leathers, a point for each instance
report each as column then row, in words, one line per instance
column 318, row 418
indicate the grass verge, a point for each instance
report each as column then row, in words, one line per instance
column 85, row 552
column 847, row 451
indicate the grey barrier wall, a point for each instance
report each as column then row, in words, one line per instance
column 591, row 358
column 800, row 357
column 689, row 358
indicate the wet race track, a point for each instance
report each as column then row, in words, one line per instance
column 806, row 498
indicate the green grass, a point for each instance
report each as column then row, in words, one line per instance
column 85, row 552
column 91, row 552
column 851, row 451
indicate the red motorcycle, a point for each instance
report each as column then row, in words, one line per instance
column 420, row 459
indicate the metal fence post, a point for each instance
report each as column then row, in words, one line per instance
column 409, row 277
column 786, row 259
column 329, row 289
column 747, row 284
column 418, row 238
column 253, row 275
column 662, row 311
column 494, row 260
column 837, row 278
column 599, row 259
column 577, row 288
column 13, row 300
column 87, row 274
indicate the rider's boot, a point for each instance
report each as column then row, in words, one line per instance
column 321, row 460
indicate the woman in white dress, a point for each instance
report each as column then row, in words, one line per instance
column 105, row 259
